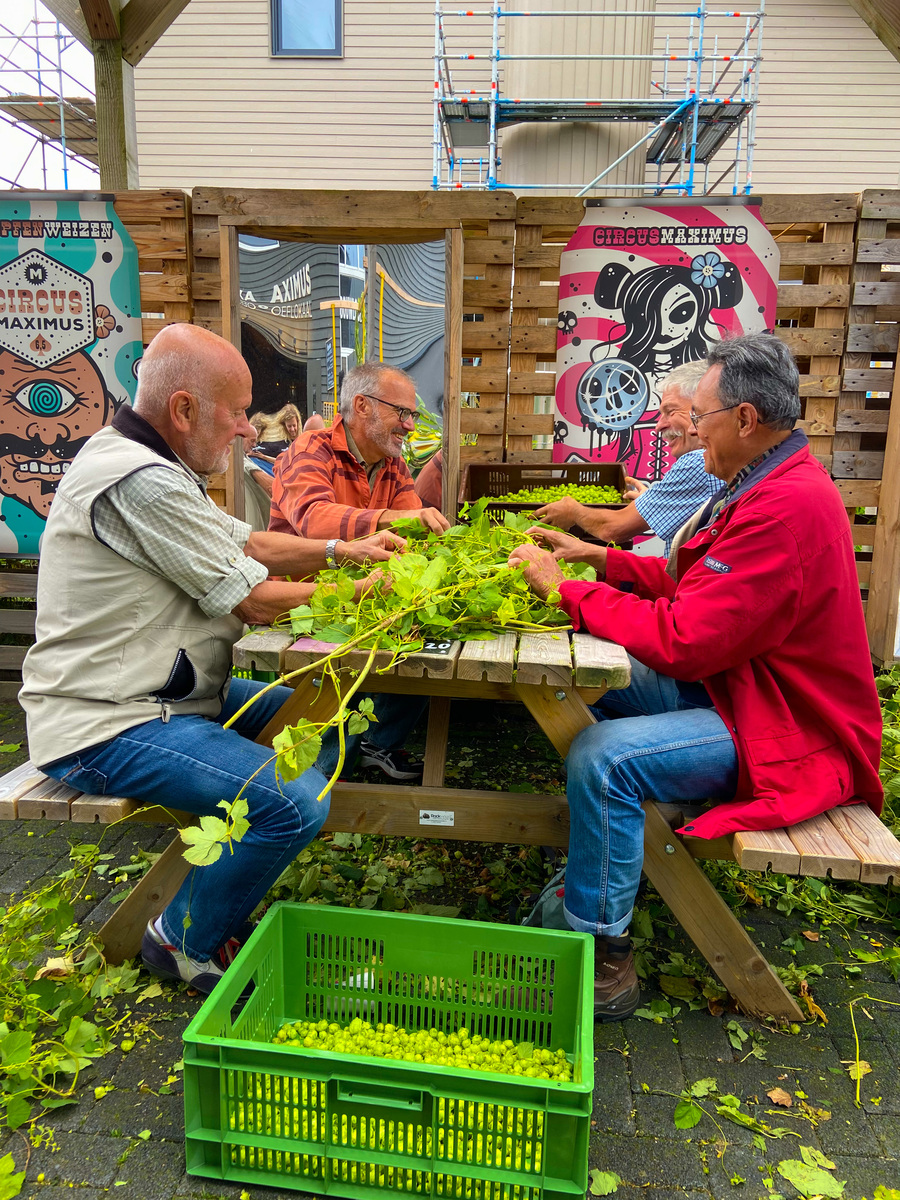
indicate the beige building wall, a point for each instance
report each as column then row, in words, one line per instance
column 213, row 108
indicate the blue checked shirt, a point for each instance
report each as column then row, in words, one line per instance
column 667, row 504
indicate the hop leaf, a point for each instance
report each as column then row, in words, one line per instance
column 297, row 747
column 810, row 1181
column 356, row 723
column 204, row 842
column 687, row 1114
column 604, row 1183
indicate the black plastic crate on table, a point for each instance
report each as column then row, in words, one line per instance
column 496, row 479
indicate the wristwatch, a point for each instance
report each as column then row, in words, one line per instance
column 330, row 546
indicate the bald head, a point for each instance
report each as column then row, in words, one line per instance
column 194, row 389
column 185, row 358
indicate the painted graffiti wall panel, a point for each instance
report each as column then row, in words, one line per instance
column 644, row 289
column 70, row 343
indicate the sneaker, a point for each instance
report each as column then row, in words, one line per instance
column 617, row 992
column 160, row 957
column 397, row 764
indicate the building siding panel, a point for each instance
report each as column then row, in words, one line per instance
column 213, row 108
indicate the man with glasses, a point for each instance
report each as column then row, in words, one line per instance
column 663, row 507
column 752, row 684
column 348, row 482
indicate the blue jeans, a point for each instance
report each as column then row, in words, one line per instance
column 397, row 715
column 192, row 763
column 657, row 739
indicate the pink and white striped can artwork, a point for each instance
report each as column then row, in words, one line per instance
column 642, row 289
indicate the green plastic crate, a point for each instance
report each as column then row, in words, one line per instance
column 259, row 676
column 345, row 1125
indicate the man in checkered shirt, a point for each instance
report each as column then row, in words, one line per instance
column 663, row 507
column 144, row 587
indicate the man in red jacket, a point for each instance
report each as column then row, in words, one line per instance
column 752, row 683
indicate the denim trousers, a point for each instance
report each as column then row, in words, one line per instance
column 192, row 763
column 657, row 739
column 396, row 718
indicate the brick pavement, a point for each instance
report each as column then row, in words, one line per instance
column 97, row 1149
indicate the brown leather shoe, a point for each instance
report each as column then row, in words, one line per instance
column 617, row 992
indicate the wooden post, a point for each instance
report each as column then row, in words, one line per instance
column 229, row 266
column 711, row 925
column 453, row 310
column 116, row 129
column 371, row 347
column 879, row 208
column 884, row 589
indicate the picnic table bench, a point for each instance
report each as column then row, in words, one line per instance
column 555, row 675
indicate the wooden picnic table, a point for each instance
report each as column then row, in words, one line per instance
column 555, row 675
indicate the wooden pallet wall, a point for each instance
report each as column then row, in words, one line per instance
column 869, row 428
column 160, row 226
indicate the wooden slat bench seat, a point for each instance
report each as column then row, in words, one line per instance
column 846, row 843
column 28, row 794
column 849, row 843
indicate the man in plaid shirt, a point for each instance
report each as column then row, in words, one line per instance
column 348, row 482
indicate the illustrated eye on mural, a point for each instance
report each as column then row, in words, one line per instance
column 683, row 313
column 45, row 398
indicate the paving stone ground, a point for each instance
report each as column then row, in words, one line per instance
column 129, row 1143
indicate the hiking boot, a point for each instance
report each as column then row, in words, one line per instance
column 161, row 958
column 396, row 764
column 616, row 990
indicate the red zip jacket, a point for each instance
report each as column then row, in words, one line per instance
column 766, row 613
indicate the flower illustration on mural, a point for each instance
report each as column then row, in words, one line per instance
column 706, row 270
column 104, row 321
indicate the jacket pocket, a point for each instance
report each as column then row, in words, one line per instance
column 787, row 747
column 182, row 681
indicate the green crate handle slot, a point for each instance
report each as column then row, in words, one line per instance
column 383, row 1094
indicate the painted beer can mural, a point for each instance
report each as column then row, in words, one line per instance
column 70, row 342
column 644, row 288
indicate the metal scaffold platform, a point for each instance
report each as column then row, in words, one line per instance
column 60, row 131
column 702, row 104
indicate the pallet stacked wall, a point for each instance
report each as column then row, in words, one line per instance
column 487, row 284
column 873, row 427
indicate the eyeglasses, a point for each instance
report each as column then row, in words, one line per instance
column 403, row 413
column 696, row 418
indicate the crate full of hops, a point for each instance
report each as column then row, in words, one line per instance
column 396, row 1053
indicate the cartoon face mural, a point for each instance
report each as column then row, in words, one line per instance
column 642, row 291
column 47, row 413
column 665, row 323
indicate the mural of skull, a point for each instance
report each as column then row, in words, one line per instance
column 47, row 413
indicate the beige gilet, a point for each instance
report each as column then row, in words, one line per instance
column 116, row 646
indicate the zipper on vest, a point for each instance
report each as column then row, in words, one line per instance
column 165, row 713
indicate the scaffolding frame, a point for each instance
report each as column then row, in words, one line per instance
column 690, row 118
column 53, row 122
